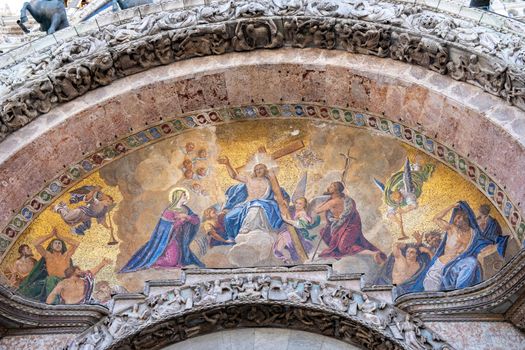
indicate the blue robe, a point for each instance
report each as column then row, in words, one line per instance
column 464, row 270
column 161, row 236
column 238, row 209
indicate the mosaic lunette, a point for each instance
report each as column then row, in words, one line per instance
column 247, row 194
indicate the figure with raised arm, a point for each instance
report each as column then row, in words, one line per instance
column 77, row 286
column 455, row 263
column 50, row 269
column 251, row 205
column 343, row 231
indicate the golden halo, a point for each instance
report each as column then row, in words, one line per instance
column 179, row 189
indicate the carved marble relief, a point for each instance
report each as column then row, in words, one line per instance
column 259, row 301
column 480, row 55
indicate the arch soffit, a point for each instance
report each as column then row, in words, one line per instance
column 61, row 147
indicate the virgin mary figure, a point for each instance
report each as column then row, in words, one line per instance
column 169, row 244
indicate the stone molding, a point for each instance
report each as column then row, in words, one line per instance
column 516, row 314
column 488, row 300
column 258, row 301
column 122, row 44
column 21, row 316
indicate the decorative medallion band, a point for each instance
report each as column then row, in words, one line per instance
column 259, row 301
column 34, row 83
column 170, row 128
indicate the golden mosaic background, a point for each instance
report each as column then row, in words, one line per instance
column 376, row 156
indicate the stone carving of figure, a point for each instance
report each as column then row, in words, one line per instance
column 249, row 9
column 100, row 338
column 296, row 292
column 131, row 319
column 264, row 285
column 277, row 289
column 410, row 331
column 256, row 34
column 116, row 323
column 236, row 286
column 157, row 305
column 211, row 294
column 250, row 290
column 178, row 302
column 335, row 298
column 216, row 12
column 180, row 19
column 286, row 7
column 369, row 309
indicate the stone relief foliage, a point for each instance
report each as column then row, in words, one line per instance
column 189, row 311
column 40, row 81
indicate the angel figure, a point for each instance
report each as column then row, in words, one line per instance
column 98, row 204
column 402, row 190
column 303, row 221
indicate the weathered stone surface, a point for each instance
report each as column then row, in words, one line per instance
column 31, row 342
column 480, row 335
column 41, row 81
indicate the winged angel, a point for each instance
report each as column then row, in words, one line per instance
column 97, row 205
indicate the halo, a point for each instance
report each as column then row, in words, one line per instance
column 185, row 190
column 260, row 158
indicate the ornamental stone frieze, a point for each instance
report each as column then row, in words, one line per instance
column 60, row 68
column 495, row 299
column 257, row 300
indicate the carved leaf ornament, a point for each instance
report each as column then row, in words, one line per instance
column 464, row 50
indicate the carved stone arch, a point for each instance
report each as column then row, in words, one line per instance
column 259, row 301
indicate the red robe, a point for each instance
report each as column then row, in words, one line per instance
column 344, row 235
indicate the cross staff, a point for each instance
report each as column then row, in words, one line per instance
column 347, row 164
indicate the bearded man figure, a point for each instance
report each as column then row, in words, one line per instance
column 455, row 264
column 343, row 231
column 251, row 205
column 50, row 269
column 22, row 266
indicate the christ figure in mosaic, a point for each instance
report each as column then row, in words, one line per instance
column 251, row 204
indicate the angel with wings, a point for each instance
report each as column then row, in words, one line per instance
column 402, row 190
column 303, row 221
column 303, row 218
column 97, row 205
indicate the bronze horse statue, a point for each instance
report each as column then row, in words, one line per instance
column 50, row 14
